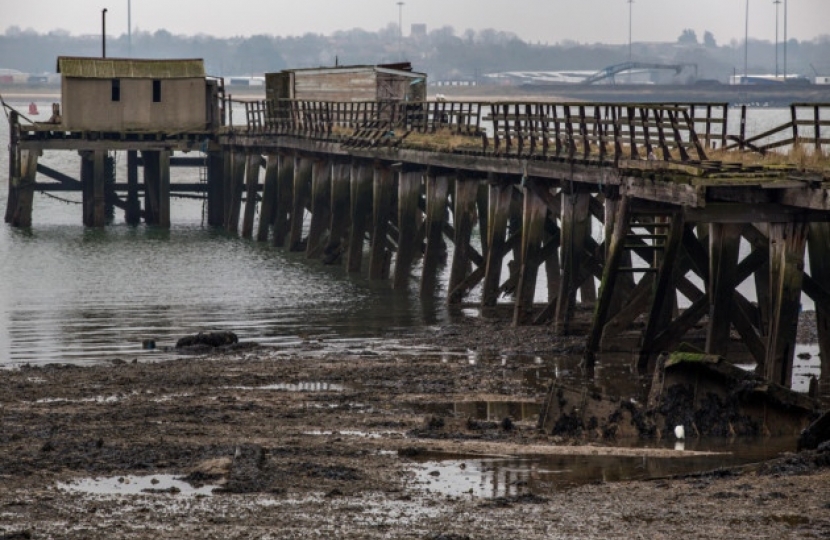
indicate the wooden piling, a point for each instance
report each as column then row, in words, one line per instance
column 152, row 188
column 723, row 261
column 409, row 221
column 285, row 199
column 464, row 216
column 786, row 255
column 575, row 221
column 132, row 213
column 14, row 165
column 252, row 165
column 235, row 186
column 302, row 189
column 22, row 215
column 819, row 249
column 340, row 199
column 320, row 207
column 360, row 211
column 499, row 209
column 533, row 229
column 216, row 188
column 436, row 189
column 379, row 258
column 269, row 197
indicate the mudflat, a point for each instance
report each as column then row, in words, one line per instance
column 255, row 442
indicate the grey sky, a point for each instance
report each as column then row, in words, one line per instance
column 534, row 20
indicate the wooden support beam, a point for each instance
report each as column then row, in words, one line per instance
column 382, row 196
column 499, row 209
column 787, row 243
column 285, row 199
column 152, row 188
column 132, row 213
column 610, row 275
column 533, row 230
column 235, row 187
column 575, row 228
column 743, row 315
column 818, row 243
column 409, row 221
column 320, row 207
column 483, row 208
column 301, row 192
column 14, row 165
column 464, row 216
column 724, row 241
column 436, row 189
column 251, row 183
column 269, row 197
column 360, row 211
column 664, row 291
column 164, row 189
column 340, row 208
column 22, row 214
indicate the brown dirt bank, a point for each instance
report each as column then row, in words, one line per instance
column 310, row 445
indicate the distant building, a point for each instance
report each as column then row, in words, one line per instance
column 118, row 94
column 395, row 82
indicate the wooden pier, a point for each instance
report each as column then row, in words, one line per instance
column 512, row 199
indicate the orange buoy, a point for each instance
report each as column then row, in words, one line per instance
column 33, row 108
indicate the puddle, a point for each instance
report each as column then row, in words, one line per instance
column 136, row 485
column 511, row 476
column 355, row 433
column 491, row 411
column 298, row 387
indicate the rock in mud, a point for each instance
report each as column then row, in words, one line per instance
column 208, row 339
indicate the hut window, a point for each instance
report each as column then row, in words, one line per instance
column 156, row 91
column 116, row 90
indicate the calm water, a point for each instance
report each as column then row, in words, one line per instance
column 71, row 294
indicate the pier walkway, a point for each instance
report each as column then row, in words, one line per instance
column 529, row 206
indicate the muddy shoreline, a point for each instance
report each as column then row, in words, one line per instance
column 307, row 444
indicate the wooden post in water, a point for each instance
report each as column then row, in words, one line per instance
column 216, row 188
column 379, row 260
column 285, row 199
column 302, row 189
column 132, row 214
column 819, row 249
column 724, row 241
column 340, row 198
column 575, row 221
column 786, row 252
column 464, row 217
column 164, row 188
column 252, row 165
column 22, row 215
column 269, row 197
column 533, row 229
column 320, row 207
column 14, row 166
column 235, row 186
column 436, row 187
column 92, row 186
column 360, row 204
column 499, row 211
column 409, row 221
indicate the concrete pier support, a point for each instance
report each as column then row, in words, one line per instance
column 409, row 221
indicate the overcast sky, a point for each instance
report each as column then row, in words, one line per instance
column 551, row 21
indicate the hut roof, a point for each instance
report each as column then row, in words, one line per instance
column 125, row 68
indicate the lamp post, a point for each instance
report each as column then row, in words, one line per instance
column 400, row 29
column 104, row 33
column 630, row 10
column 746, row 45
column 777, row 9
column 785, row 40
column 130, row 28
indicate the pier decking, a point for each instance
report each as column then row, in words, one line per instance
column 508, row 194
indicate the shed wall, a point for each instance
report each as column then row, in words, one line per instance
column 87, row 105
column 348, row 86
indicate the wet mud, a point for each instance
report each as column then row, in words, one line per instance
column 293, row 444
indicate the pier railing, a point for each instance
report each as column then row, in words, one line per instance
column 809, row 126
column 572, row 130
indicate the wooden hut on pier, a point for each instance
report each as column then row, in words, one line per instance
column 125, row 94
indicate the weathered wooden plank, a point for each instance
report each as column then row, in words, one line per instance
column 251, row 181
column 22, row 214
column 409, row 221
column 818, row 243
column 269, row 197
column 436, row 189
column 533, row 229
column 464, row 215
column 723, row 261
column 499, row 210
column 340, row 208
column 361, row 179
column 301, row 193
column 285, row 199
column 575, row 223
column 379, row 259
column 320, row 207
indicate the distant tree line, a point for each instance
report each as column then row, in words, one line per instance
column 443, row 53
